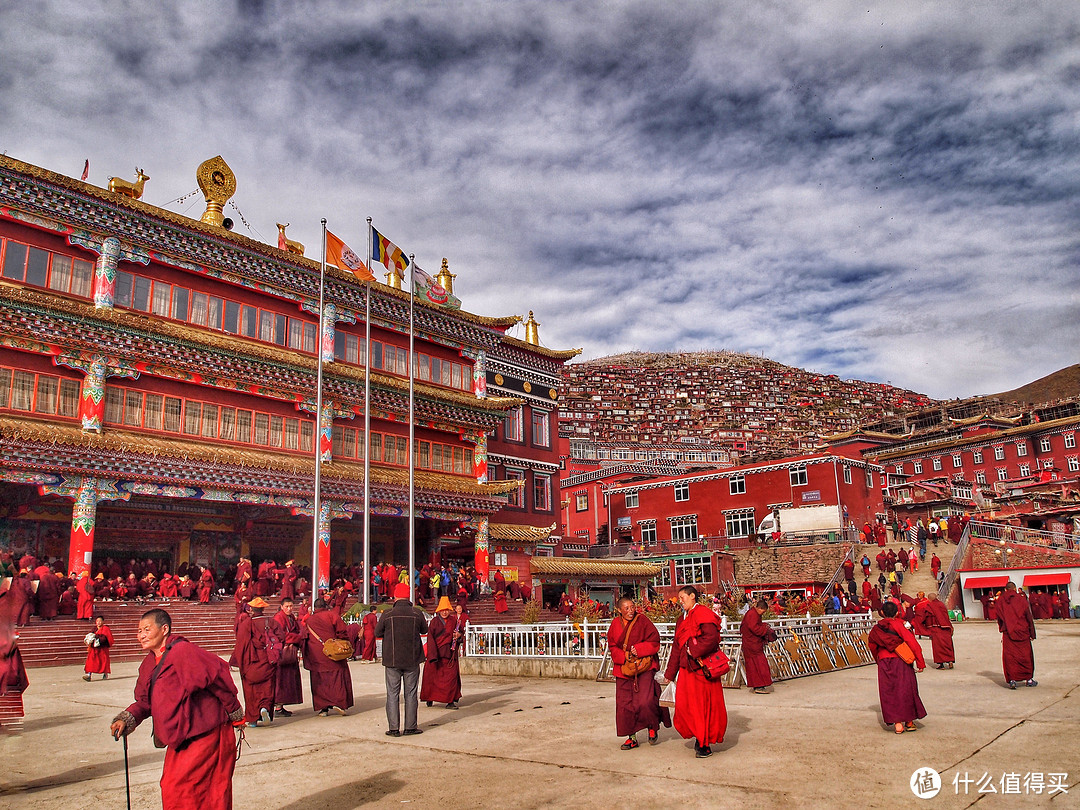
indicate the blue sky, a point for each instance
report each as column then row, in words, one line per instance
column 883, row 191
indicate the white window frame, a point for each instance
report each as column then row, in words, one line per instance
column 630, row 500
column 737, row 485
column 798, row 476
column 684, row 528
column 1044, row 445
column 681, row 490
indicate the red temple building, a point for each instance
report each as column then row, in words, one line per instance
column 158, row 388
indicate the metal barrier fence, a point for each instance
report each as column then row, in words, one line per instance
column 804, row 645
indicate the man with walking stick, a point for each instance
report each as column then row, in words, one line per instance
column 191, row 697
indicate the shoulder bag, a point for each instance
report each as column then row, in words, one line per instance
column 633, row 665
column 336, row 649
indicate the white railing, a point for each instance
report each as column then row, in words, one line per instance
column 548, row 640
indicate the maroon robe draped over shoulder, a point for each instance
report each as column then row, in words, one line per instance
column 331, row 681
column 97, row 658
column 1017, row 630
column 637, row 697
column 940, row 628
column 898, row 689
column 754, row 633
column 85, row 589
column 369, row 621
column 700, row 711
column 288, row 685
column 442, row 675
column 192, row 698
column 48, row 592
column 257, row 674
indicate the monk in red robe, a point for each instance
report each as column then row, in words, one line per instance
column 288, row 580
column 442, row 676
column 206, row 585
column 48, row 592
column 920, row 613
column 1017, row 632
column 97, row 650
column 13, row 680
column 252, row 654
column 191, row 697
column 898, row 688
column 288, row 686
column 85, row 589
column 168, row 588
column 632, row 637
column 331, row 681
column 940, row 627
column 700, row 712
column 371, row 618
column 755, row 635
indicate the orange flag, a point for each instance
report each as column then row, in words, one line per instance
column 341, row 255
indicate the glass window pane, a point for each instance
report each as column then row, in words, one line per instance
column 310, row 331
column 60, row 277
column 192, row 417
column 307, row 434
column 37, row 267
column 290, row 439
column 180, row 304
column 248, row 321
column 162, row 294
column 228, row 424
column 69, row 399
column 133, row 408
column 376, row 447
column 173, row 406
column 243, row 426
column 276, row 429
column 5, row 387
column 280, row 333
column 82, row 278
column 14, row 261
column 47, row 388
column 198, row 309
column 213, row 312
column 114, row 405
column 266, row 326
column 122, row 293
column 152, row 417
column 209, row 421
column 376, row 354
column 232, row 317
column 296, row 333
column 140, row 294
column 262, row 428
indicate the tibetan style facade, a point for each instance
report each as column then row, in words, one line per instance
column 158, row 393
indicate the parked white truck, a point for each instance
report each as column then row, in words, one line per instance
column 824, row 523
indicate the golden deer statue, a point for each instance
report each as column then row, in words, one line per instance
column 133, row 190
column 290, row 245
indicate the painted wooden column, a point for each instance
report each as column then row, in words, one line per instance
column 326, row 432
column 480, row 549
column 479, row 375
column 83, row 521
column 480, row 459
column 324, row 545
column 105, row 273
column 92, row 396
column 329, row 332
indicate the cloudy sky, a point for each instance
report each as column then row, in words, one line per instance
column 884, row 190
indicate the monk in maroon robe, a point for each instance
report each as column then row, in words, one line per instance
column 941, row 632
column 22, row 595
column 371, row 618
column 85, row 589
column 898, row 688
column 48, row 592
column 755, row 635
column 206, row 585
column 288, row 580
column 97, row 651
column 442, row 676
column 920, row 613
column 194, row 706
column 288, row 686
column 252, row 655
column 1017, row 631
column 632, row 636
column 700, row 712
column 331, row 681
column 13, row 680
column 168, row 588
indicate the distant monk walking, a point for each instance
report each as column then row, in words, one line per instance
column 97, row 650
column 939, row 624
column 755, row 635
column 1017, row 629
column 442, row 675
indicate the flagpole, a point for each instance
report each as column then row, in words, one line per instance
column 367, row 424
column 318, row 429
column 412, row 433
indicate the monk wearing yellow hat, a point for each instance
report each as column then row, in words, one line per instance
column 442, row 675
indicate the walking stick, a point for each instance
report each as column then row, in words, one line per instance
column 127, row 775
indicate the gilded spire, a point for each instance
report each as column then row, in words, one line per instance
column 446, row 278
column 218, row 184
column 532, row 330
column 393, row 279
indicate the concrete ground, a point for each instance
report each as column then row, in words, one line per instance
column 525, row 743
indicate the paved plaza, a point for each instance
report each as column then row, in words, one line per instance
column 524, row 743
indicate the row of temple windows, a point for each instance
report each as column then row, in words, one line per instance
column 41, row 268
column 38, row 393
column 957, row 460
column 541, row 489
column 539, row 424
column 348, row 443
column 394, row 359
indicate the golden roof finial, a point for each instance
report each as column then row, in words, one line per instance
column 393, row 280
column 532, row 330
column 218, row 184
column 446, row 278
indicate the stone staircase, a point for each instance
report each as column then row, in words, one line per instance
column 914, row 581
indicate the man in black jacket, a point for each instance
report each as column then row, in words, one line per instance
column 400, row 629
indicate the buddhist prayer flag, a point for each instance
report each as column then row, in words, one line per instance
column 389, row 254
column 433, row 291
column 85, row 170
column 341, row 255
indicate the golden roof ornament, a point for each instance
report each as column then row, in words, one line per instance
column 133, row 190
column 393, row 280
column 290, row 245
column 218, row 184
column 532, row 330
column 446, row 278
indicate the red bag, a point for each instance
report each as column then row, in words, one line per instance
column 715, row 666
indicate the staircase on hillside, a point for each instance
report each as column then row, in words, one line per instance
column 914, row 581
